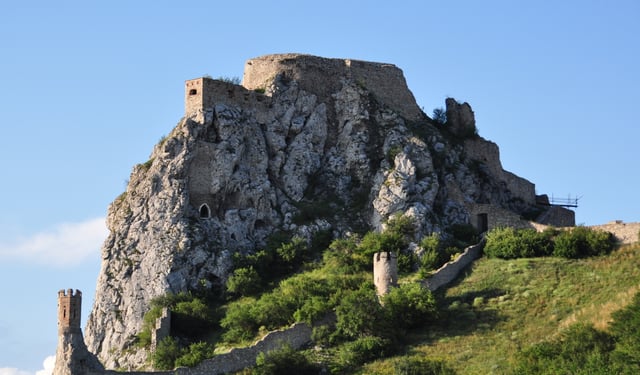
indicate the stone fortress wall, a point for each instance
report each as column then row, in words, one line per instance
column 488, row 153
column 204, row 93
column 625, row 233
column 385, row 81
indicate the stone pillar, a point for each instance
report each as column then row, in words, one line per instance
column 385, row 271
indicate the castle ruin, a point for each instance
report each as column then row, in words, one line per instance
column 72, row 355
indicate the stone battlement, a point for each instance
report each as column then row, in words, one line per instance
column 69, row 293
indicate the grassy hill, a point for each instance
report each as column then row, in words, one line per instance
column 496, row 310
column 500, row 307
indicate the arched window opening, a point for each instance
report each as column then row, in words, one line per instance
column 193, row 92
column 204, row 211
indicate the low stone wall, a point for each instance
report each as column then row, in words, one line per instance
column 296, row 336
column 450, row 271
column 625, row 233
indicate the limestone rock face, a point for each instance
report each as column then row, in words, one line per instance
column 73, row 358
column 302, row 132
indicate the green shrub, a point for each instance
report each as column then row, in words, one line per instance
column 284, row 361
column 359, row 351
column 421, row 366
column 374, row 242
column 509, row 243
column 626, row 330
column 340, row 256
column 313, row 309
column 235, row 79
column 409, row 306
column 191, row 315
column 148, row 323
column 238, row 322
column 166, row 353
column 244, row 281
column 194, row 354
column 401, row 224
column 432, row 257
column 439, row 116
column 359, row 313
column 191, row 318
column 580, row 242
column 502, row 243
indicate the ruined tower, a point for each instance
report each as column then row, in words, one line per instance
column 72, row 356
column 385, row 271
column 69, row 310
column 202, row 94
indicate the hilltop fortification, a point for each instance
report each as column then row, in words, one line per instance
column 306, row 144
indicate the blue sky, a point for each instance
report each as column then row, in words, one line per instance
column 88, row 89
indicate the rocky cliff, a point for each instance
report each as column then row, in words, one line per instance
column 304, row 144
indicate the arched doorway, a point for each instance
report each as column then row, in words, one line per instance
column 205, row 212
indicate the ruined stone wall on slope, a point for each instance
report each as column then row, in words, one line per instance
column 625, row 233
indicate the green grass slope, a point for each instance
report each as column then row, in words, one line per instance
column 500, row 307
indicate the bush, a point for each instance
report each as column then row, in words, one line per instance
column 509, row 243
column 439, row 116
column 358, row 314
column 244, row 281
column 340, row 256
column 194, row 354
column 432, row 256
column 581, row 242
column 191, row 318
column 238, row 322
column 409, row 306
column 284, row 361
column 363, row 349
column 374, row 242
column 166, row 353
column 421, row 366
column 626, row 330
column 401, row 224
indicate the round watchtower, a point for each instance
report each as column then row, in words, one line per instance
column 385, row 271
column 69, row 310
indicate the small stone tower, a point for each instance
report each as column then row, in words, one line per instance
column 385, row 271
column 72, row 356
column 69, row 311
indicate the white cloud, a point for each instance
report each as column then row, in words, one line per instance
column 47, row 369
column 64, row 245
column 47, row 365
column 13, row 371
